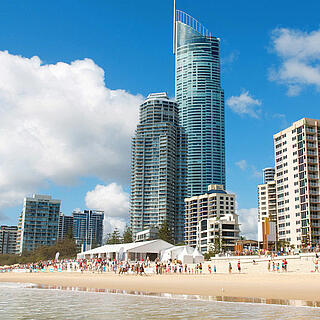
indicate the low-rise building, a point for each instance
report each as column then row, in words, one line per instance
column 148, row 234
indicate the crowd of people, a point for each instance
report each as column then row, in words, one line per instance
column 100, row 265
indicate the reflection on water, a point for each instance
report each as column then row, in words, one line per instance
column 283, row 302
column 32, row 302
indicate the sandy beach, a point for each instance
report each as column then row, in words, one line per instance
column 266, row 285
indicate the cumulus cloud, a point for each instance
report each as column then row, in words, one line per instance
column 114, row 201
column 300, row 59
column 248, row 218
column 60, row 122
column 245, row 104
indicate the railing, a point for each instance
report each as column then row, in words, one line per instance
column 192, row 22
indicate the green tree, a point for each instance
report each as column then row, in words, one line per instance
column 165, row 232
column 114, row 238
column 127, row 235
column 69, row 234
column 67, row 249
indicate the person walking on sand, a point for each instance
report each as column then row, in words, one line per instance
column 230, row 267
column 273, row 266
column 269, row 264
column 316, row 265
column 239, row 266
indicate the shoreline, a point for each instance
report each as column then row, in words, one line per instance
column 289, row 286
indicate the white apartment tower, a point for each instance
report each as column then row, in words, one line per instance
column 268, row 174
column 267, row 202
column 297, row 181
column 267, row 206
column 210, row 217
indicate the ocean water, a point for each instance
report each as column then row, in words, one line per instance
column 19, row 301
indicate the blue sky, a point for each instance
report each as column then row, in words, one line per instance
column 132, row 42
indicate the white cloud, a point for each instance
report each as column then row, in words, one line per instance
column 248, row 218
column 245, row 104
column 230, row 58
column 58, row 123
column 242, row 164
column 300, row 59
column 113, row 201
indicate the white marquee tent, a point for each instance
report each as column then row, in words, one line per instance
column 185, row 254
column 128, row 251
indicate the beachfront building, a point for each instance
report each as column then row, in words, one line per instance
column 200, row 101
column 65, row 226
column 297, row 180
column 218, row 234
column 213, row 211
column 267, row 213
column 88, row 228
column 8, row 239
column 268, row 174
column 157, row 169
column 147, row 234
column 38, row 223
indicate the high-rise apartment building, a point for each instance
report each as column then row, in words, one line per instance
column 209, row 217
column 88, row 228
column 267, row 201
column 8, row 239
column 158, row 168
column 297, row 181
column 200, row 100
column 65, row 226
column 267, row 209
column 268, row 174
column 38, row 223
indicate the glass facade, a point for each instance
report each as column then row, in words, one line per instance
column 200, row 101
column 157, row 170
column 65, row 225
column 38, row 223
column 88, row 228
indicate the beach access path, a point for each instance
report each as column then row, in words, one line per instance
column 268, row 285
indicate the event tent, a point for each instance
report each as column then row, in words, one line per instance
column 128, row 251
column 197, row 256
column 181, row 253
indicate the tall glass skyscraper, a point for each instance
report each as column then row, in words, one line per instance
column 157, row 170
column 200, row 101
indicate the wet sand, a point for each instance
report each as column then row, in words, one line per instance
column 291, row 285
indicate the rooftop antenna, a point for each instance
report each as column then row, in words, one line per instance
column 174, row 27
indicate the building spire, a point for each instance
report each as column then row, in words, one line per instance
column 174, row 26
